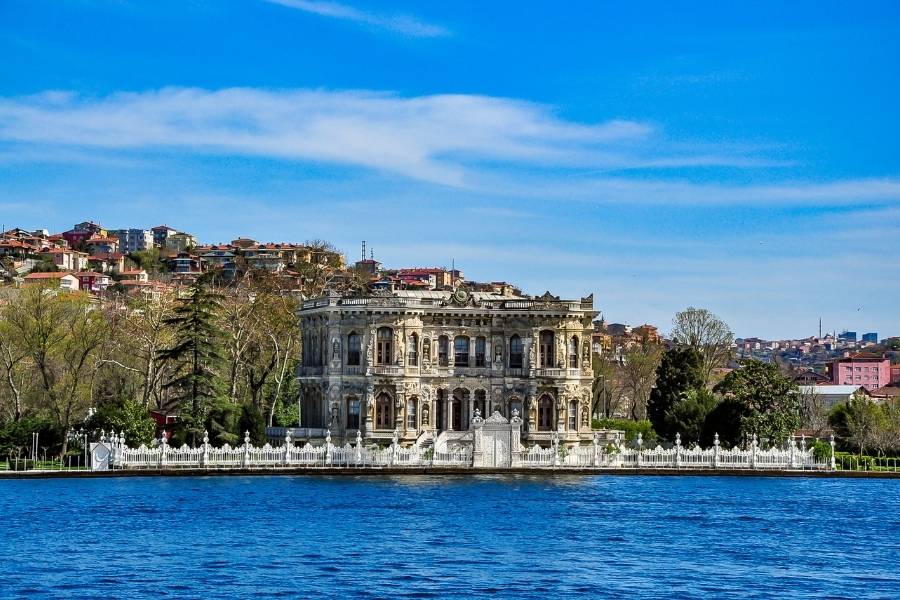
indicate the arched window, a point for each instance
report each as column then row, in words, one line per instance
column 443, row 351
column 354, row 346
column 546, row 349
column 412, row 349
column 383, row 410
column 384, row 352
column 411, row 415
column 573, row 352
column 352, row 412
column 481, row 403
column 573, row 416
column 480, row 348
column 461, row 351
column 515, row 352
column 545, row 413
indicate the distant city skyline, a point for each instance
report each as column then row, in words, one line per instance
column 738, row 158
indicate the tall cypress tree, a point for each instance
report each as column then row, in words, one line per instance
column 195, row 352
column 680, row 370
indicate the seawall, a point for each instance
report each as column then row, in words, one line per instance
column 447, row 471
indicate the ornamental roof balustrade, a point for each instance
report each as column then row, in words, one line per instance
column 450, row 300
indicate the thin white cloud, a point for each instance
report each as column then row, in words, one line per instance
column 400, row 24
column 445, row 139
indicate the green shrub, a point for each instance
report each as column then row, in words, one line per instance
column 821, row 450
column 631, row 428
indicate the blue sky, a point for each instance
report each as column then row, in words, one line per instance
column 738, row 157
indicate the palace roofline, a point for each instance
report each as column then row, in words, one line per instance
column 458, row 298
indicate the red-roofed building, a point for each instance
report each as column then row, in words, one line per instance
column 68, row 260
column 113, row 262
column 93, row 282
column 64, row 281
column 102, row 245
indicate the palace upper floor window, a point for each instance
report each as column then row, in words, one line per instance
column 516, row 350
column 412, row 350
column 573, row 352
column 546, row 349
column 443, row 351
column 354, row 347
column 383, row 346
column 480, row 348
column 461, row 351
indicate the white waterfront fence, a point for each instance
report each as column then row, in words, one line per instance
column 595, row 456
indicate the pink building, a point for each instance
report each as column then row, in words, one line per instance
column 868, row 370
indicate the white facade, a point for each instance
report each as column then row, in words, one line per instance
column 422, row 362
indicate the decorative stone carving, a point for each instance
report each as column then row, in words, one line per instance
column 426, row 412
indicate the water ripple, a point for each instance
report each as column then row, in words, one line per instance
column 450, row 537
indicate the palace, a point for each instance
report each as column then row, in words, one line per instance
column 423, row 365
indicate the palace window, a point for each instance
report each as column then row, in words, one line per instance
column 546, row 349
column 480, row 345
column 354, row 345
column 352, row 413
column 573, row 416
column 383, row 408
column 383, row 348
column 443, row 351
column 411, row 412
column 515, row 352
column 412, row 349
column 461, row 351
column 545, row 413
column 573, row 352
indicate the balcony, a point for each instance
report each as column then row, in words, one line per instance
column 551, row 373
column 387, row 370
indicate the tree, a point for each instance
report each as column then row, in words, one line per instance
column 195, row 352
column 813, row 415
column 62, row 333
column 680, row 371
column 128, row 418
column 770, row 403
column 606, row 388
column 688, row 415
column 725, row 421
column 638, row 374
column 706, row 333
column 13, row 364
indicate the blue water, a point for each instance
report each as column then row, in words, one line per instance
column 429, row 536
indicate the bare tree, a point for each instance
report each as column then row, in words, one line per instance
column 638, row 376
column 813, row 412
column 706, row 333
column 606, row 388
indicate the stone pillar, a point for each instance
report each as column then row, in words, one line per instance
column 449, row 410
column 640, row 450
column 716, row 451
column 831, row 441
column 677, row 450
column 204, row 458
column 245, row 460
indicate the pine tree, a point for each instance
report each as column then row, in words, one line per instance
column 195, row 352
column 681, row 370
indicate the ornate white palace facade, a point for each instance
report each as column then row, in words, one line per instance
column 422, row 365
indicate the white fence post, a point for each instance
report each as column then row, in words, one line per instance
column 287, row 448
column 328, row 448
column 831, row 441
column 596, row 456
column 639, row 458
column 677, row 450
column 716, row 451
column 162, row 449
column 245, row 459
column 204, row 458
column 753, row 446
column 358, row 447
